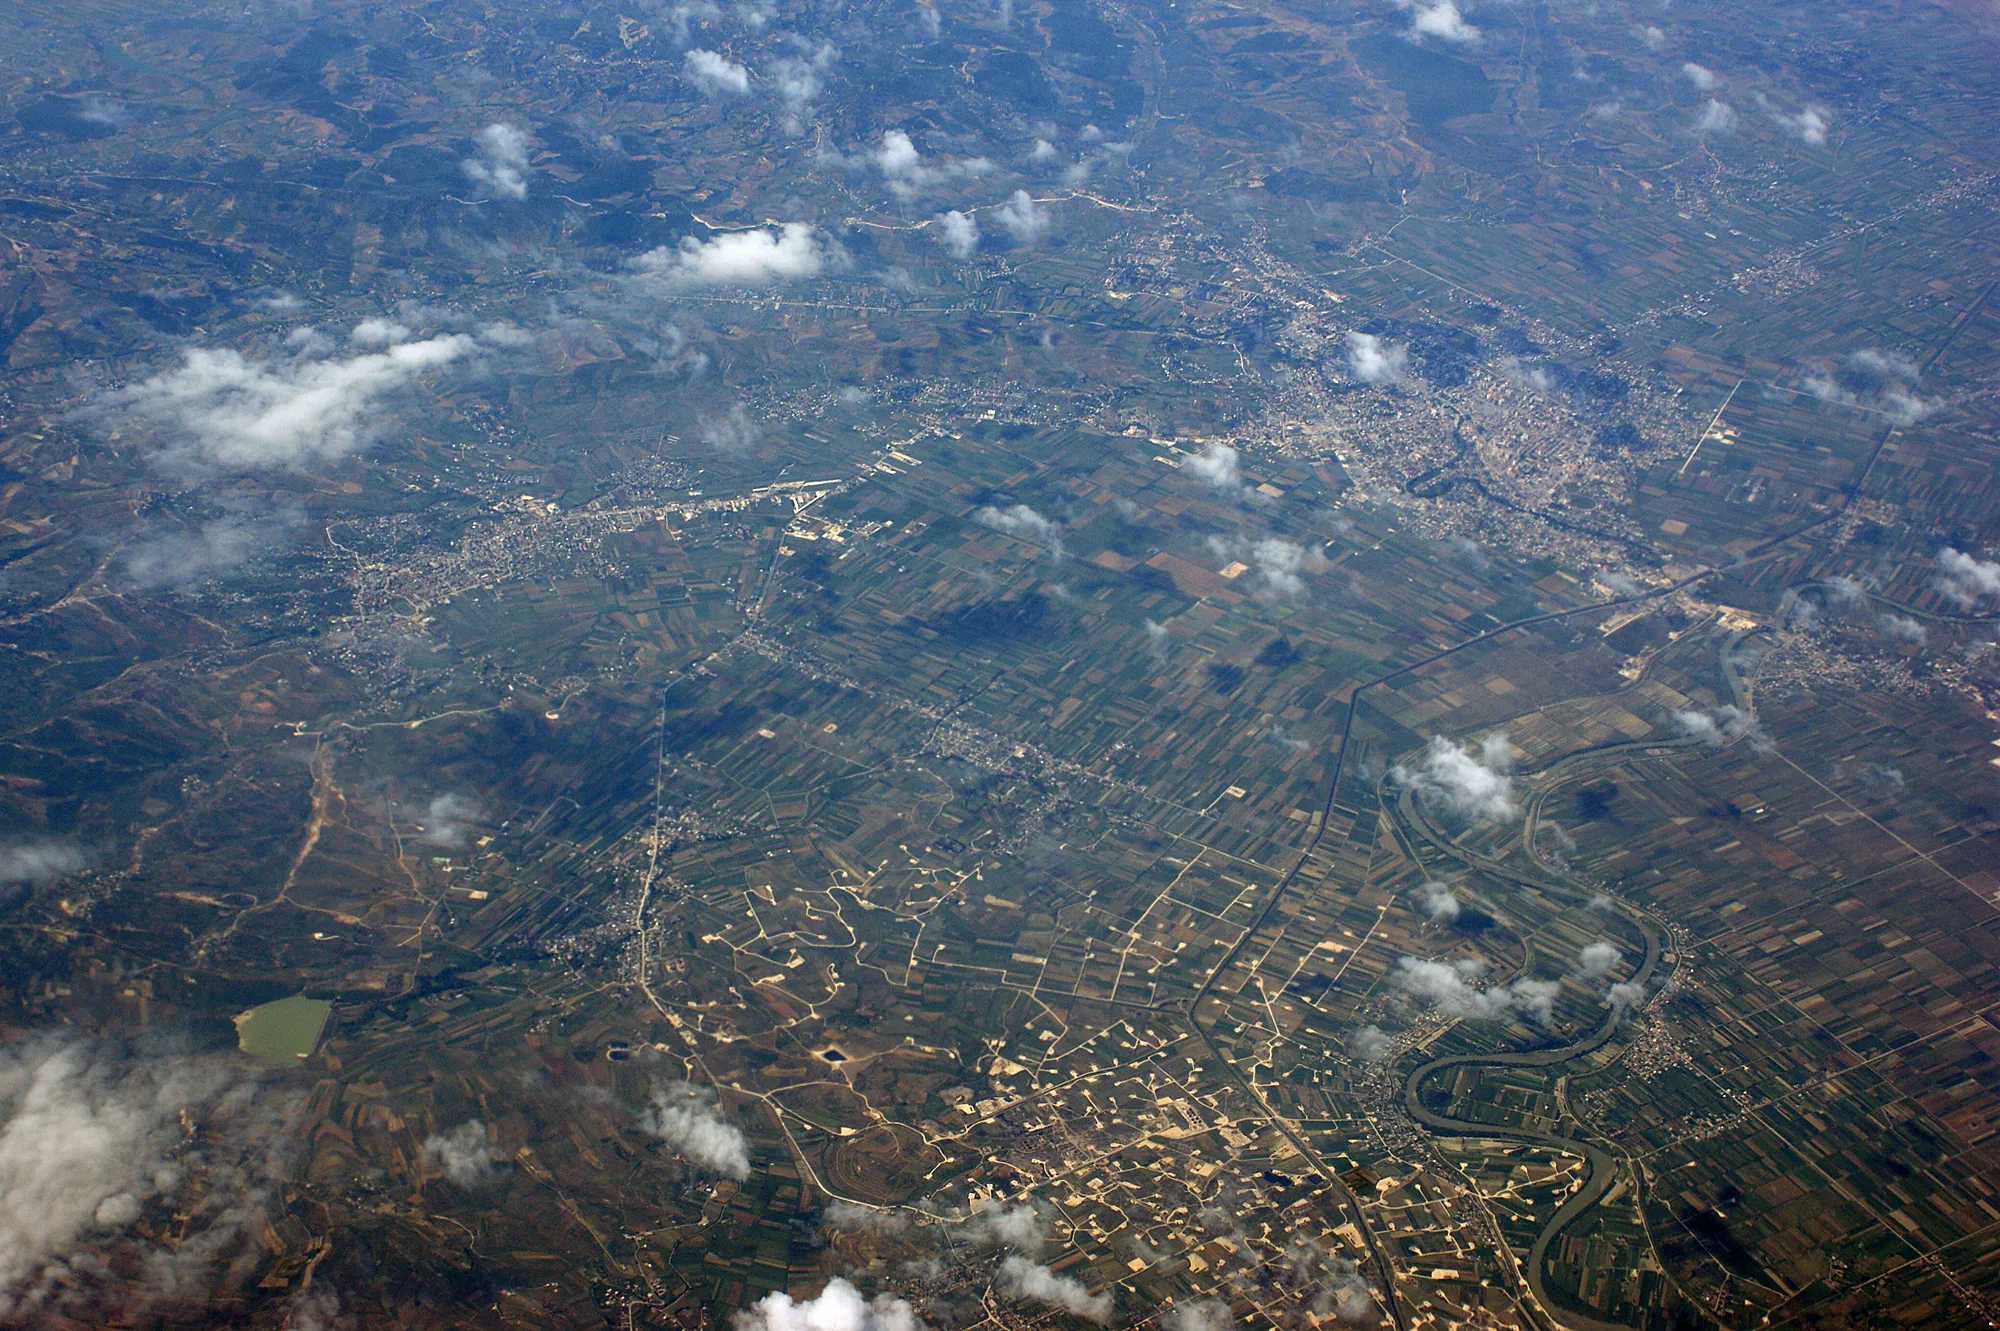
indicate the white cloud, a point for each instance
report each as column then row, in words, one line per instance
column 1023, row 523
column 101, row 110
column 501, row 168
column 1437, row 900
column 908, row 174
column 1043, row 151
column 686, row 1118
column 222, row 410
column 93, row 1138
column 1846, row 590
column 1280, row 565
column 1896, row 400
column 1624, row 995
column 1598, row 959
column 1522, row 375
column 1373, row 361
column 1198, row 1315
column 839, row 1307
column 1902, row 628
column 1809, row 126
column 1218, row 464
column 1965, row 579
column 1475, row 783
column 1719, row 725
column 1441, row 19
column 797, row 81
column 730, row 431
column 1702, row 77
column 317, row 1308
column 1449, row 987
column 1019, row 1226
column 868, row 1219
column 182, row 559
column 1370, row 1044
column 38, row 861
column 378, row 332
column 715, row 74
column 1158, row 636
column 1887, row 363
column 1716, row 117
column 447, row 819
column 1654, row 37
column 1021, row 1278
column 464, row 1153
column 1022, row 218
column 788, row 253
column 959, row 233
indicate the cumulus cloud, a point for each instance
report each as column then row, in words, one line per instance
column 960, row 234
column 839, row 1307
column 1476, row 783
column 448, row 819
column 1846, row 590
column 1449, row 987
column 501, row 167
column 1437, row 900
column 731, row 431
column 1021, row 1278
column 1598, row 960
column 1370, row 1044
column 1653, row 37
column 1198, row 1315
column 218, row 546
column 1902, row 628
column 1218, row 464
column 866, row 1219
column 797, row 80
column 96, row 1137
column 1341, row 1290
column 1877, row 777
column 1022, row 218
column 1875, row 381
column 1019, row 1226
column 1966, row 580
column 222, row 410
column 1624, row 996
column 908, row 174
column 1808, row 126
column 687, row 1119
column 1158, row 638
column 317, row 1308
column 1280, row 566
column 1886, row 363
column 1718, row 725
column 1519, row 373
column 1701, row 76
column 715, row 74
column 787, row 253
column 1715, row 117
column 1441, row 19
column 1023, row 523
column 39, row 861
column 463, row 1153
column 1373, row 361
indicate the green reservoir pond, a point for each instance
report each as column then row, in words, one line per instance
column 284, row 1031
